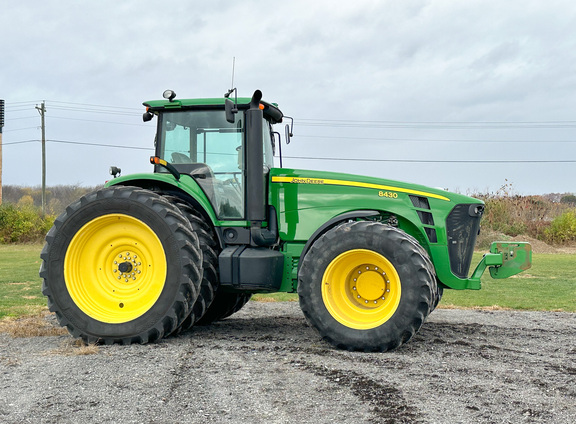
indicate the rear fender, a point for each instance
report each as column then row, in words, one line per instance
column 185, row 188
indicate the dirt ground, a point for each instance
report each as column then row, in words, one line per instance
column 266, row 365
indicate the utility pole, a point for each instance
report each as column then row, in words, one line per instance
column 42, row 111
column 1, row 125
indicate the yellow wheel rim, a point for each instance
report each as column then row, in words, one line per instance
column 361, row 289
column 115, row 268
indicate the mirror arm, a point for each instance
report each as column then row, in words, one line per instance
column 231, row 109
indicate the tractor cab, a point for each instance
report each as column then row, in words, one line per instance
column 198, row 139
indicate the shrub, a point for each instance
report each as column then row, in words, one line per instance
column 570, row 199
column 505, row 215
column 23, row 224
column 562, row 229
column 533, row 216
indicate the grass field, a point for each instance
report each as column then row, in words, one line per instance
column 20, row 286
column 550, row 285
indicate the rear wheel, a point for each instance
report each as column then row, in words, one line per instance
column 121, row 265
column 210, row 249
column 212, row 304
column 366, row 286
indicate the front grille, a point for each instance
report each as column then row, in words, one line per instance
column 462, row 228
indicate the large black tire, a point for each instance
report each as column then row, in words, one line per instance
column 212, row 304
column 436, row 289
column 210, row 250
column 121, row 265
column 366, row 286
column 224, row 305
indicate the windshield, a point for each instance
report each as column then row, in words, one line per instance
column 203, row 144
column 206, row 146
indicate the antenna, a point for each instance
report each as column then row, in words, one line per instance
column 233, row 65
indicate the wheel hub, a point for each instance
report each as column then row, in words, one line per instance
column 128, row 269
column 370, row 284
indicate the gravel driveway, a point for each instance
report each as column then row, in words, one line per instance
column 266, row 365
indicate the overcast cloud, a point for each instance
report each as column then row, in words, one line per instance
column 416, row 88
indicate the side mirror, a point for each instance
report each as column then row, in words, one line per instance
column 288, row 133
column 289, row 129
column 231, row 110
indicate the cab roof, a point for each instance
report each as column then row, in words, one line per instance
column 271, row 111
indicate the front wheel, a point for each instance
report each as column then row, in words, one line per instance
column 121, row 265
column 366, row 286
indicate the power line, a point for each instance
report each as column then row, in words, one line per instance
column 426, row 140
column 99, row 144
column 87, row 110
column 434, row 124
column 23, row 117
column 22, row 129
column 501, row 161
column 430, row 160
column 80, row 143
column 21, row 142
column 100, row 122
column 98, row 106
column 33, row 102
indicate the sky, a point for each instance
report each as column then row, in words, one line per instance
column 471, row 96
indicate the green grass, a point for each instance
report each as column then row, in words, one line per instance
column 550, row 285
column 276, row 297
column 20, row 285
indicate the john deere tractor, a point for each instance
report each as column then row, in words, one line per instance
column 153, row 254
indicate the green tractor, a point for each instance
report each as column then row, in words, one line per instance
column 153, row 254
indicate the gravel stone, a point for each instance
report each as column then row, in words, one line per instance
column 266, row 365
